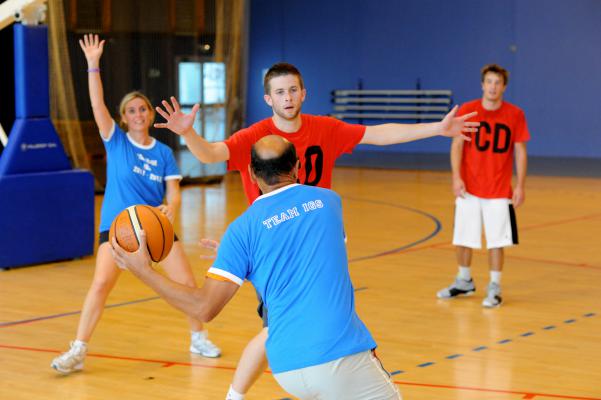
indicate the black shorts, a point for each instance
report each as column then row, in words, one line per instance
column 104, row 237
column 262, row 310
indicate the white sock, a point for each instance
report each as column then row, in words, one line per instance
column 495, row 276
column 233, row 395
column 464, row 273
column 79, row 343
column 204, row 334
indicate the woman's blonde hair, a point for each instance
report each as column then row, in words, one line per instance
column 129, row 97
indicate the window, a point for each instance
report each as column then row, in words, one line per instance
column 204, row 83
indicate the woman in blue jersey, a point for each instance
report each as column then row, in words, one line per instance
column 140, row 170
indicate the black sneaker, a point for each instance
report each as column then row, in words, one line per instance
column 460, row 287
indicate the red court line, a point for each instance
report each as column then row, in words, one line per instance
column 552, row 223
column 527, row 395
column 165, row 363
column 539, row 260
column 560, row 222
column 580, row 265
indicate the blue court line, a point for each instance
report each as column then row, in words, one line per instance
column 437, row 229
column 503, row 341
column 25, row 321
column 361, row 288
column 396, row 372
column 426, row 364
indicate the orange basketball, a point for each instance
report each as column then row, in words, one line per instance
column 159, row 231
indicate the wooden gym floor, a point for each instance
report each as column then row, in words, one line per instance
column 544, row 343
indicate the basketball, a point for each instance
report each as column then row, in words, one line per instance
column 159, row 231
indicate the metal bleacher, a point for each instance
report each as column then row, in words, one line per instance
column 405, row 105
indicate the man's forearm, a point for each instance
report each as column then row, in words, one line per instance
column 186, row 299
column 201, row 148
column 521, row 164
column 387, row 134
column 456, row 149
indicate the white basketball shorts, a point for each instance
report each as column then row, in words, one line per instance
column 497, row 216
column 356, row 377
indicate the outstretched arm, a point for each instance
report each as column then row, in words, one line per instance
column 92, row 48
column 202, row 303
column 182, row 124
column 450, row 126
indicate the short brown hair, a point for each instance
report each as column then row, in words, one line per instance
column 496, row 69
column 129, row 97
column 281, row 69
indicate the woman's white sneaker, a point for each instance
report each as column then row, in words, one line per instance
column 72, row 360
column 200, row 344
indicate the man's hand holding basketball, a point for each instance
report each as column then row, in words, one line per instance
column 138, row 261
column 211, row 245
column 167, row 210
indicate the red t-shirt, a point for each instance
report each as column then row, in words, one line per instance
column 487, row 161
column 319, row 142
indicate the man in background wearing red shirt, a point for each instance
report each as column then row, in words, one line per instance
column 482, row 171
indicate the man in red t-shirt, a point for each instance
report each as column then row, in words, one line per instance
column 319, row 141
column 482, row 172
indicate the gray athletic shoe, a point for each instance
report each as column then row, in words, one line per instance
column 200, row 344
column 460, row 287
column 72, row 360
column 493, row 298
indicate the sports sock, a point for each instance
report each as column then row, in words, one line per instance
column 495, row 276
column 464, row 273
column 203, row 334
column 233, row 395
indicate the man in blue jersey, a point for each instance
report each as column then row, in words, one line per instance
column 290, row 245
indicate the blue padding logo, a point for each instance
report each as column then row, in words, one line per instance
column 33, row 146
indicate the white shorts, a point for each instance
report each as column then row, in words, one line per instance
column 497, row 216
column 358, row 376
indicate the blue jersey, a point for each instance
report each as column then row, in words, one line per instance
column 136, row 174
column 290, row 245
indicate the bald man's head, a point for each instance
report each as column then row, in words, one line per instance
column 271, row 158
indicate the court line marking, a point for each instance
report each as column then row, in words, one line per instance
column 167, row 364
column 66, row 314
column 438, row 227
column 527, row 395
column 436, row 231
column 163, row 363
column 500, row 342
column 450, row 247
column 561, row 222
column 403, row 249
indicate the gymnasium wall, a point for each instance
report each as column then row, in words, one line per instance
column 551, row 47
